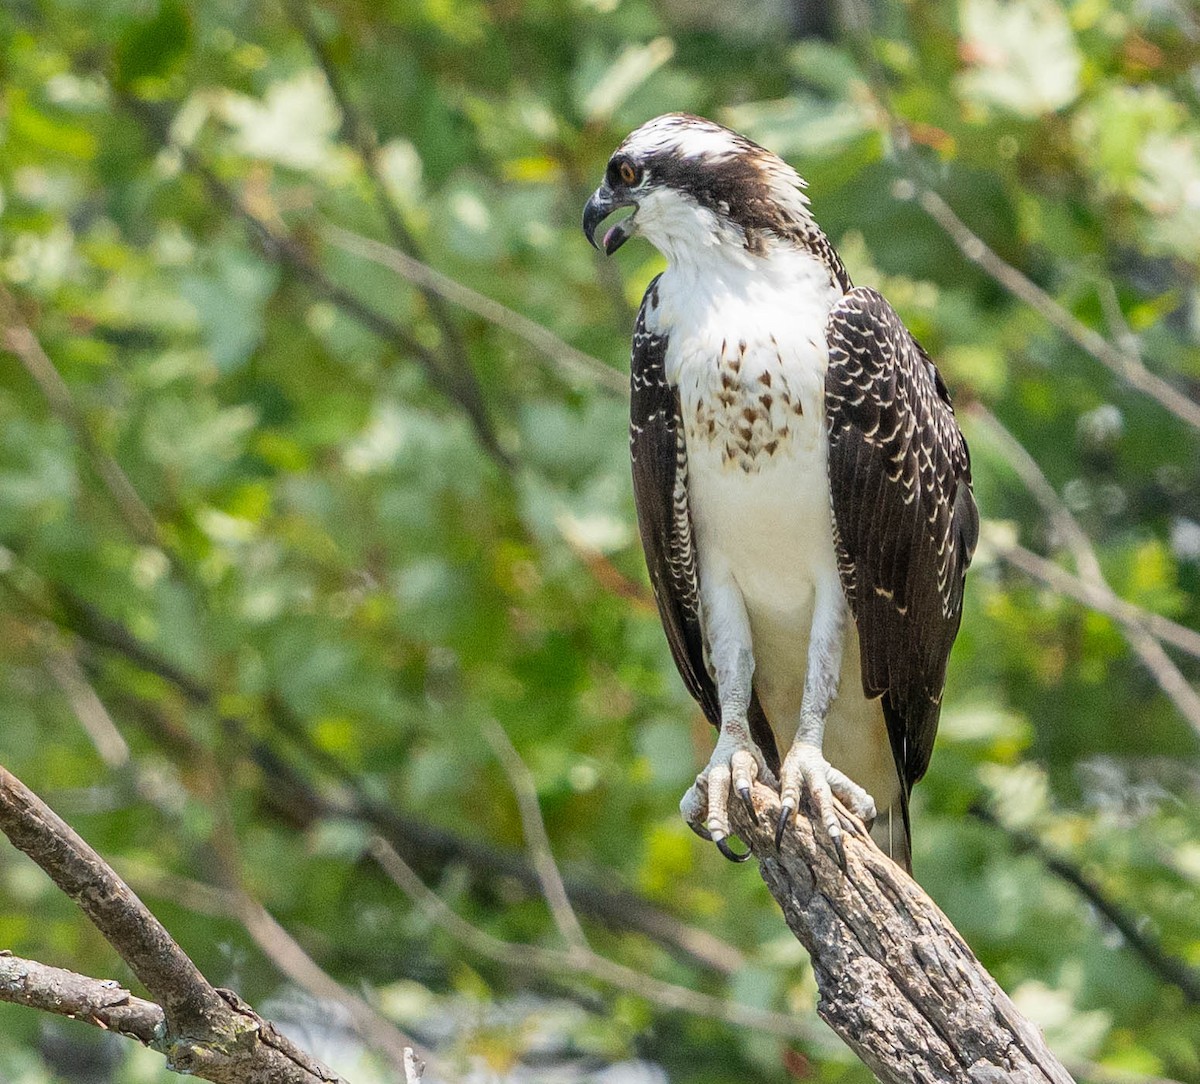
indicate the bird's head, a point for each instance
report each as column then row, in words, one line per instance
column 693, row 185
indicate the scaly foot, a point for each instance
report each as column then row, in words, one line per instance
column 735, row 764
column 806, row 767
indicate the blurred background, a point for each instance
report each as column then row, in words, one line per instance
column 318, row 566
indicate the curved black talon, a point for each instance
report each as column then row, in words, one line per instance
column 785, row 815
column 839, row 845
column 744, row 794
column 700, row 830
column 730, row 853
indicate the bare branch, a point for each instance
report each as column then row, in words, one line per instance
column 1126, row 365
column 1164, row 671
column 1095, row 597
column 458, row 384
column 536, row 838
column 575, row 365
column 415, row 837
column 1147, row 947
column 564, row 967
column 209, row 1033
column 898, row 983
column 18, row 338
column 103, row 1003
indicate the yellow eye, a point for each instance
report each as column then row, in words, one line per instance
column 627, row 173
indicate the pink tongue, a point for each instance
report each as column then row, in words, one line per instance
column 607, row 234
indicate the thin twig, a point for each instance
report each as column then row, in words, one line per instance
column 1166, row 966
column 536, row 839
column 563, row 967
column 457, row 385
column 576, row 365
column 1160, row 665
column 1127, row 366
column 1095, row 597
column 18, row 338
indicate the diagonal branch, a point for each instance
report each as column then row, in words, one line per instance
column 897, row 982
column 1123, row 359
column 1123, row 363
column 18, row 338
column 1143, row 644
column 209, row 1033
column 536, row 838
column 1096, row 597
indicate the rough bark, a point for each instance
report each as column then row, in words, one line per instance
column 102, row 1002
column 897, row 982
column 205, row 1032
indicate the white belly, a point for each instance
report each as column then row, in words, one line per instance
column 758, row 491
column 768, row 534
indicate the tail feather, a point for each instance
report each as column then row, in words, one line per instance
column 891, row 834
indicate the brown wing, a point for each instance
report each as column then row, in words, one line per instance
column 659, row 458
column 905, row 522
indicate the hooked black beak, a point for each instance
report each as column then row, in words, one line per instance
column 602, row 204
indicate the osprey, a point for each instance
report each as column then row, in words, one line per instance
column 802, row 488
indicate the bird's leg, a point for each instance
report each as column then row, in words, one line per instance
column 736, row 761
column 805, row 765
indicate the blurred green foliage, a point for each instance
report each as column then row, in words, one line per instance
column 344, row 574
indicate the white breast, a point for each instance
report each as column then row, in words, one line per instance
column 747, row 351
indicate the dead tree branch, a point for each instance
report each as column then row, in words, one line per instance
column 205, row 1032
column 103, row 1003
column 897, row 982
